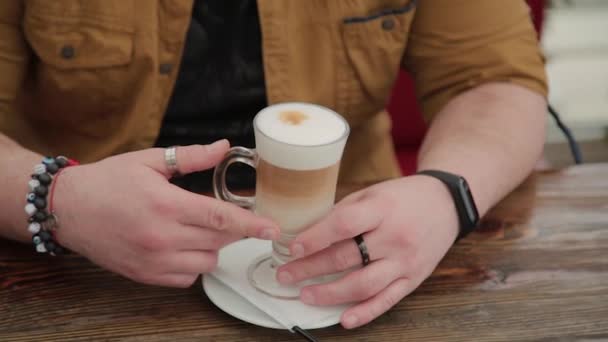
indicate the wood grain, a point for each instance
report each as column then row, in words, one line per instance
column 537, row 269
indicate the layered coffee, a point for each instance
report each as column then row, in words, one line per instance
column 294, row 198
column 299, row 150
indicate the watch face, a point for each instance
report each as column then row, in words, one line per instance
column 467, row 200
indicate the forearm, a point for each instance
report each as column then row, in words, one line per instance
column 491, row 135
column 16, row 165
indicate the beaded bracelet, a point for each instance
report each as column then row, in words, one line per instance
column 42, row 220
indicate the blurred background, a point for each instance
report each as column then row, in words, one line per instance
column 575, row 41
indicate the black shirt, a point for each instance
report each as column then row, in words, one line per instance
column 220, row 86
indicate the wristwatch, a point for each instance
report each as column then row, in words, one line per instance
column 463, row 199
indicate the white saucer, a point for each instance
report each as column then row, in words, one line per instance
column 234, row 304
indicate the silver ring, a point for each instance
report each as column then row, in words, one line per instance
column 171, row 160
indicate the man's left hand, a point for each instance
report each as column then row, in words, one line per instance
column 408, row 225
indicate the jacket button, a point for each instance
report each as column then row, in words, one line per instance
column 388, row 24
column 165, row 68
column 68, row 52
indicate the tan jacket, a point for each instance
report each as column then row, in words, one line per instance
column 92, row 78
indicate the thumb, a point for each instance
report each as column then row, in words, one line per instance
column 190, row 158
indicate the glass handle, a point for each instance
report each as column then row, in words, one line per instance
column 235, row 155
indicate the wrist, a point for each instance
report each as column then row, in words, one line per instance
column 63, row 186
column 441, row 199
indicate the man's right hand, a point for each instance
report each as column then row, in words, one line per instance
column 123, row 214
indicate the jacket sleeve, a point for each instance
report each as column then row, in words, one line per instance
column 14, row 55
column 455, row 45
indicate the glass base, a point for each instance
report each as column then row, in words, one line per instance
column 262, row 275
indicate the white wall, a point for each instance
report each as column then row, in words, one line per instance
column 575, row 41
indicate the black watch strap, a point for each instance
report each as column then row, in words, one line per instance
column 468, row 215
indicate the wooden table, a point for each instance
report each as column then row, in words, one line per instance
column 537, row 269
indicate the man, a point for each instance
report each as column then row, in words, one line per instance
column 101, row 81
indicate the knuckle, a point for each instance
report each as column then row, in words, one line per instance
column 401, row 240
column 217, row 218
column 151, row 242
column 162, row 206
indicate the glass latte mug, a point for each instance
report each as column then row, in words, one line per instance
column 298, row 151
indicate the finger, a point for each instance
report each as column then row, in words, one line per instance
column 190, row 158
column 352, row 198
column 176, row 280
column 356, row 286
column 336, row 258
column 189, row 262
column 206, row 212
column 196, row 238
column 374, row 307
column 344, row 222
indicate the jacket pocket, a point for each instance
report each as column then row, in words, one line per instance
column 72, row 34
column 374, row 45
column 83, row 52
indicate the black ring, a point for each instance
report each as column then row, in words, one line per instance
column 362, row 249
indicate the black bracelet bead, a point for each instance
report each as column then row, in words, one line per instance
column 41, row 191
column 61, row 161
column 50, row 246
column 40, row 216
column 58, row 250
column 40, row 203
column 45, row 236
column 44, row 179
column 52, row 168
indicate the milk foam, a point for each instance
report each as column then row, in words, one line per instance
column 300, row 136
column 316, row 126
